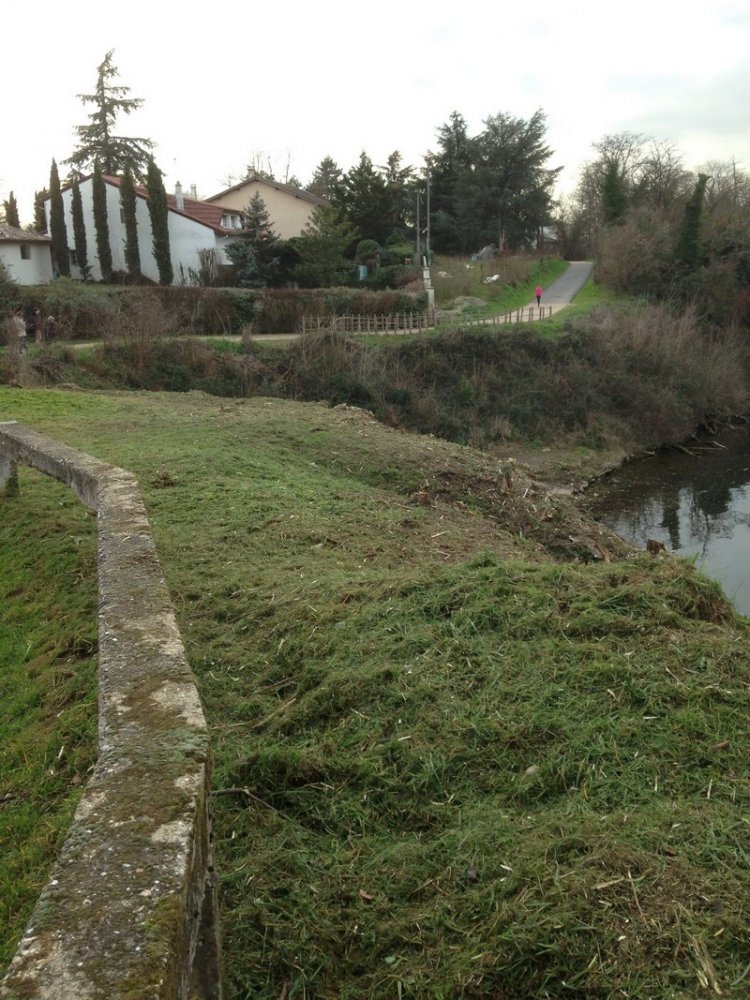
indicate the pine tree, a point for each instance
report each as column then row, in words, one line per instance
column 364, row 199
column 447, row 168
column 325, row 178
column 101, row 223
column 159, row 214
column 256, row 254
column 79, row 231
column 98, row 143
column 128, row 201
column 10, row 208
column 40, row 219
column 58, row 230
column 322, row 248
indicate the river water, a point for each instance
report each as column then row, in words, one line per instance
column 697, row 504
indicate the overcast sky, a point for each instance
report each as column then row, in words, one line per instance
column 293, row 82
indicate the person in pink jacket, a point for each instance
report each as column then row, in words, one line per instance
column 538, row 294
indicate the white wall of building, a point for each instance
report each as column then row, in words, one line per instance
column 34, row 270
column 187, row 237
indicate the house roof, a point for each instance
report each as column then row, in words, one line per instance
column 198, row 211
column 277, row 185
column 12, row 234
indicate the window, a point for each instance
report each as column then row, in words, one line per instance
column 73, row 256
column 25, row 251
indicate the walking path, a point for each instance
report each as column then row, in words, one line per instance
column 558, row 295
column 562, row 291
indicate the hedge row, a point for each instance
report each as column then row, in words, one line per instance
column 85, row 312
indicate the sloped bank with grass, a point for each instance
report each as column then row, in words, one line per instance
column 468, row 744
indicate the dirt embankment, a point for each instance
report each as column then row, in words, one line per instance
column 525, row 497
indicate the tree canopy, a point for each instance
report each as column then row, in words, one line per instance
column 494, row 187
column 98, row 142
column 10, row 210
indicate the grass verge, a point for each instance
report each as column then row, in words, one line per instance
column 47, row 685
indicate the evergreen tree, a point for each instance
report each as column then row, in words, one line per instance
column 492, row 188
column 79, row 231
column 322, row 248
column 58, row 230
column 159, row 214
column 97, row 141
column 128, row 201
column 325, row 178
column 363, row 198
column 10, row 208
column 689, row 250
column 40, row 219
column 614, row 195
column 255, row 254
column 447, row 167
column 400, row 184
column 101, row 223
column 514, row 185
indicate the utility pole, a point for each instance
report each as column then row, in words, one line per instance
column 419, row 232
column 427, row 246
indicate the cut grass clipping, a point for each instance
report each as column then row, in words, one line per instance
column 449, row 763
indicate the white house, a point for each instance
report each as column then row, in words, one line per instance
column 27, row 257
column 198, row 232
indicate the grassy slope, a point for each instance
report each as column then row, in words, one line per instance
column 449, row 764
column 47, row 684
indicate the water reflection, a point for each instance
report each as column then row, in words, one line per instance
column 698, row 504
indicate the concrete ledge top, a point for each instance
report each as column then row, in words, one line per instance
column 120, row 916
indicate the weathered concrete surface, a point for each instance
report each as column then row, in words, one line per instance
column 132, row 900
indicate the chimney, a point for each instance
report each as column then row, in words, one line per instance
column 193, row 192
column 179, row 200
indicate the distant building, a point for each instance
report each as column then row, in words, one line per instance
column 289, row 209
column 27, row 257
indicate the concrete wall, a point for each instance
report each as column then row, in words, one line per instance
column 130, row 910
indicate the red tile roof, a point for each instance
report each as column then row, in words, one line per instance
column 198, row 211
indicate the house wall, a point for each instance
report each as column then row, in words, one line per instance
column 187, row 237
column 289, row 213
column 37, row 270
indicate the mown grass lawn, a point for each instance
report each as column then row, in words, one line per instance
column 449, row 762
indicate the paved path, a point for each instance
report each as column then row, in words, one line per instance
column 562, row 292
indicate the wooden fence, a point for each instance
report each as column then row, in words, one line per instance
column 382, row 323
column 414, row 322
column 524, row 314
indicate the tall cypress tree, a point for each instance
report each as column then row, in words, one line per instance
column 79, row 231
column 10, row 207
column 101, row 223
column 128, row 200
column 614, row 194
column 58, row 230
column 40, row 219
column 159, row 213
column 689, row 251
